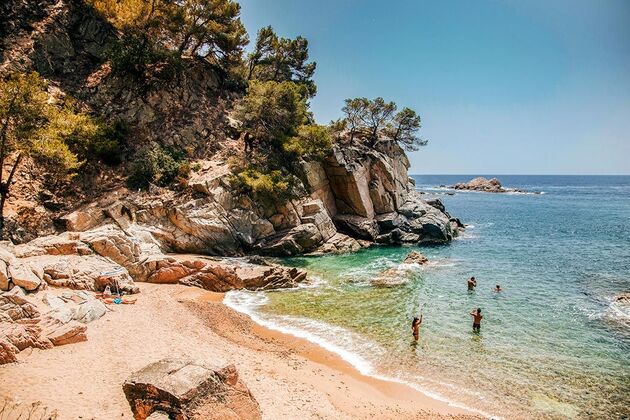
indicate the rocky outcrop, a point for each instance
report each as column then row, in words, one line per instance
column 487, row 185
column 185, row 389
column 108, row 256
column 22, row 326
column 361, row 193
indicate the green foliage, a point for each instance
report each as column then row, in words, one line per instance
column 108, row 144
column 311, row 141
column 281, row 59
column 157, row 165
column 158, row 29
column 375, row 120
column 271, row 185
column 404, row 128
column 272, row 112
column 57, row 134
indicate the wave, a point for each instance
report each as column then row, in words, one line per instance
column 337, row 340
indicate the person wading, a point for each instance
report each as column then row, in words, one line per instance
column 477, row 317
column 415, row 327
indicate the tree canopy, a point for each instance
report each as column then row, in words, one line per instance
column 208, row 29
column 376, row 120
column 281, row 59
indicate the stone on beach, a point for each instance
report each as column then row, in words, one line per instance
column 186, row 389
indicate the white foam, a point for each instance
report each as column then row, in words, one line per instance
column 345, row 342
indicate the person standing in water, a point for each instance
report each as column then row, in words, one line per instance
column 415, row 327
column 477, row 317
column 498, row 288
column 472, row 283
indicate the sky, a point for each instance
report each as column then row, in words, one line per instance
column 503, row 87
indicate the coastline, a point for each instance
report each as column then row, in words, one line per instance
column 289, row 376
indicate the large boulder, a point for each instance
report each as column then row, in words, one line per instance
column 185, row 389
column 26, row 275
column 4, row 276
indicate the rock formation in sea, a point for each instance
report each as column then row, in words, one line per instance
column 487, row 185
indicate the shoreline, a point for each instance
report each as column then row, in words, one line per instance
column 289, row 376
column 318, row 353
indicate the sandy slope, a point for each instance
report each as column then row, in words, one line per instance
column 291, row 378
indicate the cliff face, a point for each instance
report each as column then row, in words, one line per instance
column 357, row 196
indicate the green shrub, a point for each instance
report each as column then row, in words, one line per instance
column 157, row 165
column 267, row 185
column 311, row 140
column 135, row 55
column 108, row 144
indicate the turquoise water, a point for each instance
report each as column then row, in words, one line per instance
column 552, row 345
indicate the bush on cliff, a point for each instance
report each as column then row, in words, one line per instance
column 157, row 165
column 312, row 141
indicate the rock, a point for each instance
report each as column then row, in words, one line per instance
column 187, row 389
column 82, row 220
column 89, row 311
column 25, row 275
column 357, row 226
column 295, row 241
column 4, row 276
column 60, row 334
column 480, row 184
column 487, row 185
column 339, row 244
column 60, row 310
column 415, row 257
column 623, row 297
column 90, row 272
column 392, row 277
column 158, row 415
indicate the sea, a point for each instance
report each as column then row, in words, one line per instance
column 555, row 343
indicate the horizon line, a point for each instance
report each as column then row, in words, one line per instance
column 489, row 174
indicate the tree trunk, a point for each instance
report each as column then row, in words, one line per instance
column 4, row 192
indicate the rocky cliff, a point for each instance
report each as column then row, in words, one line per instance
column 356, row 196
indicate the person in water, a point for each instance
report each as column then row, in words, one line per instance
column 498, row 288
column 415, row 327
column 477, row 317
column 472, row 283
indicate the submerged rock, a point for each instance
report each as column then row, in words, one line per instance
column 414, row 257
column 185, row 389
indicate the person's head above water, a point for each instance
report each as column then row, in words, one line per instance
column 498, row 286
column 472, row 278
column 415, row 319
column 478, row 311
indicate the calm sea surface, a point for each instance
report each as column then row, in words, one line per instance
column 554, row 344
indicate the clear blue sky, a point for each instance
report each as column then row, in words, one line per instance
column 503, row 87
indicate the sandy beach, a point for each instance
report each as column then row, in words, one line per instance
column 290, row 377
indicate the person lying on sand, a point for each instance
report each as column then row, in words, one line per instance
column 498, row 288
column 472, row 283
column 415, row 327
column 477, row 317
